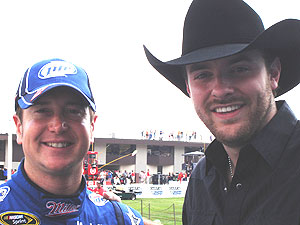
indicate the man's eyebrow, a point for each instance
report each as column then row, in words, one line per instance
column 40, row 103
column 240, row 58
column 76, row 103
column 196, row 66
column 235, row 59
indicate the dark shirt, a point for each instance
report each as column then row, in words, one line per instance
column 265, row 189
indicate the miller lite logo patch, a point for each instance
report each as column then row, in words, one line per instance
column 57, row 69
column 3, row 192
column 20, row 218
column 61, row 208
column 97, row 199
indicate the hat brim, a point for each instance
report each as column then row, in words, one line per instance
column 282, row 39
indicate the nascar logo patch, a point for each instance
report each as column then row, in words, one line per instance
column 20, row 218
column 3, row 192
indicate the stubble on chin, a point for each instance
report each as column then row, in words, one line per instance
column 230, row 134
column 234, row 138
column 241, row 132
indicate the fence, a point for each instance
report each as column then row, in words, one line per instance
column 165, row 216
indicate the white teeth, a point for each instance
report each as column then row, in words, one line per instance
column 57, row 145
column 227, row 109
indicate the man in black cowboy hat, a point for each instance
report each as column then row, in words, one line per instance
column 232, row 69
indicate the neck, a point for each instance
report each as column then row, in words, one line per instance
column 233, row 154
column 66, row 184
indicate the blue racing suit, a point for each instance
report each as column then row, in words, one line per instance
column 23, row 202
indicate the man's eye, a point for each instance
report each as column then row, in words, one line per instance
column 240, row 69
column 42, row 112
column 75, row 112
column 202, row 75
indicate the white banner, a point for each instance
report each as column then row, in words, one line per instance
column 174, row 189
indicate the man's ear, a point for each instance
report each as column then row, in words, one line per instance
column 187, row 87
column 275, row 70
column 19, row 129
column 92, row 128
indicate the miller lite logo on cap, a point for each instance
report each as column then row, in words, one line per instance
column 57, row 69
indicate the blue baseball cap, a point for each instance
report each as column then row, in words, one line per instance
column 48, row 74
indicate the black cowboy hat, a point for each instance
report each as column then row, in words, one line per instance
column 218, row 28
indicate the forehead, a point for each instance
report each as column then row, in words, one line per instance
column 252, row 56
column 62, row 94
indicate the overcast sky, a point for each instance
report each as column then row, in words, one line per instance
column 105, row 37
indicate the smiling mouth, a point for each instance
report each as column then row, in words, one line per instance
column 227, row 109
column 57, row 144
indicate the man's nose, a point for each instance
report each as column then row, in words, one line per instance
column 222, row 87
column 57, row 124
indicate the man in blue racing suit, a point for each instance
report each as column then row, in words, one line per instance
column 55, row 117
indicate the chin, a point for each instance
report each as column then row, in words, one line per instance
column 234, row 140
column 57, row 166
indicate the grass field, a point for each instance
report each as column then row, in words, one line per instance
column 161, row 209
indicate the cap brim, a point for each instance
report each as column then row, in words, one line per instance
column 28, row 100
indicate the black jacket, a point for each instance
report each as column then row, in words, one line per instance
column 265, row 189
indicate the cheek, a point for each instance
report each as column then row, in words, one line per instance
column 199, row 106
column 199, row 89
column 22, row 132
column 199, row 97
column 253, row 88
column 32, row 131
column 88, row 130
column 27, row 133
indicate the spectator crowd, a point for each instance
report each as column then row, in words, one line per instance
column 116, row 177
column 170, row 136
column 3, row 173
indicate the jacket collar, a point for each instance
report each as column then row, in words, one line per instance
column 271, row 141
column 47, row 204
